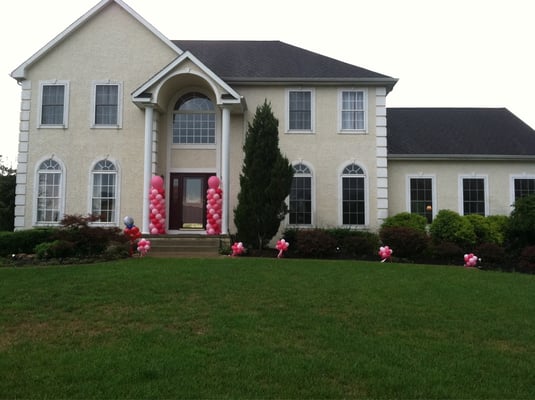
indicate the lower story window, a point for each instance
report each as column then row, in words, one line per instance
column 473, row 196
column 301, row 196
column 353, row 196
column 524, row 187
column 421, row 197
column 103, row 202
column 49, row 192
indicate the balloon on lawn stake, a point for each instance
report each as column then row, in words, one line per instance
column 385, row 253
column 471, row 260
column 237, row 249
column 282, row 246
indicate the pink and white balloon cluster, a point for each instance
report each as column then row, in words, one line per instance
column 471, row 260
column 237, row 249
column 143, row 246
column 213, row 206
column 282, row 246
column 385, row 253
column 157, row 206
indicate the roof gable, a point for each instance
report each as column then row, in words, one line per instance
column 458, row 133
column 20, row 72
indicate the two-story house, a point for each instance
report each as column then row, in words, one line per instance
column 110, row 102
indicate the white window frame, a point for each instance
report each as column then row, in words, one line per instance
column 92, row 172
column 364, row 92
column 512, row 179
column 54, row 82
column 119, row 85
column 312, row 195
column 341, row 175
column 312, row 111
column 61, row 207
column 433, row 192
column 461, row 191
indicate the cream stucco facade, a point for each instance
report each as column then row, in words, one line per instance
column 152, row 75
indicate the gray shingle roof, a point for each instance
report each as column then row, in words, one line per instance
column 458, row 132
column 272, row 60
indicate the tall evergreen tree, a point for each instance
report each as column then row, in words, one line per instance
column 7, row 196
column 265, row 181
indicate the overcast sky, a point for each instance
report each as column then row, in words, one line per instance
column 454, row 53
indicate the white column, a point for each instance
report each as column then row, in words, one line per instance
column 225, row 169
column 147, row 167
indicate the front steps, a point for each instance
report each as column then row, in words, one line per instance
column 187, row 245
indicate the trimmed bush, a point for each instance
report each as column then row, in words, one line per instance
column 359, row 245
column 407, row 220
column 492, row 256
column 446, row 253
column 527, row 260
column 315, row 243
column 521, row 229
column 486, row 230
column 406, row 242
column 449, row 226
column 56, row 249
column 24, row 241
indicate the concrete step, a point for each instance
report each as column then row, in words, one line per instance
column 187, row 245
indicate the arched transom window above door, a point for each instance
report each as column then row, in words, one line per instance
column 194, row 120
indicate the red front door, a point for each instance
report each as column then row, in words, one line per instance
column 187, row 204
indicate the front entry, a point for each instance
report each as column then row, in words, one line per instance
column 187, row 202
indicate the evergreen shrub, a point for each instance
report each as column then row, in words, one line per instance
column 407, row 220
column 315, row 243
column 449, row 226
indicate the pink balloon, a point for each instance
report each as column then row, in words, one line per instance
column 154, row 231
column 157, row 182
column 213, row 182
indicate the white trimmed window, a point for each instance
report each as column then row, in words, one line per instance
column 107, row 105
column 522, row 186
column 49, row 202
column 352, row 106
column 104, row 191
column 301, row 196
column 194, row 120
column 300, row 111
column 53, row 104
column 421, row 194
column 473, row 195
column 353, row 186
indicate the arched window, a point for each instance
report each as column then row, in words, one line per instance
column 353, row 195
column 194, row 120
column 301, row 196
column 49, row 192
column 104, row 191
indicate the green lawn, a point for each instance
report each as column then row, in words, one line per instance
column 265, row 328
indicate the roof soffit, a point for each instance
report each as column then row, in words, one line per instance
column 20, row 72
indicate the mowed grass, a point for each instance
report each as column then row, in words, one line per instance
column 265, row 328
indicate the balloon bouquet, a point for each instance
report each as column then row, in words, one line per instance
column 385, row 253
column 213, row 206
column 157, row 206
column 132, row 232
column 237, row 249
column 282, row 246
column 470, row 260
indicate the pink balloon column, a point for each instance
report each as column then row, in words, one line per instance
column 213, row 206
column 157, row 206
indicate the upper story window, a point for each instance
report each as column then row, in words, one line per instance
column 104, row 191
column 301, row 196
column 49, row 192
column 352, row 111
column 107, row 105
column 194, row 120
column 353, row 195
column 474, row 195
column 300, row 111
column 53, row 107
